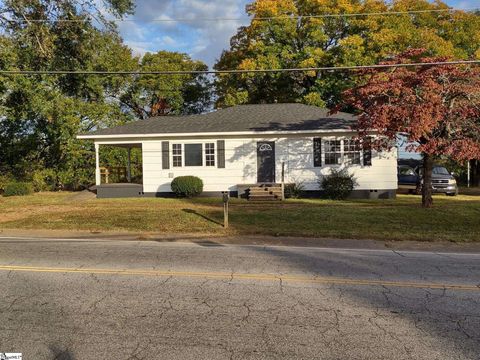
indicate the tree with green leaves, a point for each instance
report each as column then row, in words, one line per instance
column 288, row 40
column 40, row 115
column 153, row 95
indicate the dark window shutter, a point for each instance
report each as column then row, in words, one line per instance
column 221, row 154
column 367, row 152
column 165, row 155
column 317, row 152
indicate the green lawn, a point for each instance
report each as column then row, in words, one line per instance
column 451, row 219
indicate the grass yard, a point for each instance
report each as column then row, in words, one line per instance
column 451, row 219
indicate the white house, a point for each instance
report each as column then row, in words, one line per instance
column 242, row 146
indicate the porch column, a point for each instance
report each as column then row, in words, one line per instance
column 129, row 165
column 98, row 179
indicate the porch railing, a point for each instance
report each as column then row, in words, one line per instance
column 116, row 173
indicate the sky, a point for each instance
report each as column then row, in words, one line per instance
column 203, row 40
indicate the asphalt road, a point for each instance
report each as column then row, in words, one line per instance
column 149, row 300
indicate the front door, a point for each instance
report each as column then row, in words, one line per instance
column 266, row 162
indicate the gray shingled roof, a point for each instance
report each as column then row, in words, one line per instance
column 242, row 118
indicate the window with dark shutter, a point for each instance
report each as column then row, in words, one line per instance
column 367, row 152
column 221, row 154
column 165, row 155
column 317, row 152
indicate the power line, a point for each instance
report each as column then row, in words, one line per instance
column 219, row 72
column 90, row 17
column 298, row 17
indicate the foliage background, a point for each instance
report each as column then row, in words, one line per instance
column 336, row 41
column 41, row 115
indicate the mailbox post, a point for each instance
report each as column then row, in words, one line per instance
column 226, row 197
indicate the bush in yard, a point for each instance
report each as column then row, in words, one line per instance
column 4, row 180
column 338, row 185
column 15, row 188
column 294, row 190
column 187, row 186
column 44, row 180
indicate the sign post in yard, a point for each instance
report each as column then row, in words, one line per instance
column 226, row 198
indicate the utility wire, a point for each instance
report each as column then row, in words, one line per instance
column 284, row 17
column 297, row 17
column 219, row 72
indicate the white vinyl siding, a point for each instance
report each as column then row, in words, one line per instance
column 296, row 152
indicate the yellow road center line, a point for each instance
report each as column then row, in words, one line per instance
column 243, row 276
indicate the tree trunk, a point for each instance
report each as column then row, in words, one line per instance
column 475, row 172
column 427, row 199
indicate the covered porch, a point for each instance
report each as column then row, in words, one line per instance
column 118, row 170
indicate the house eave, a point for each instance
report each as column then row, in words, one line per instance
column 212, row 134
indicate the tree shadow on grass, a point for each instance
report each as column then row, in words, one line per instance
column 209, row 219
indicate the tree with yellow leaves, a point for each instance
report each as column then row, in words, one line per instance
column 291, row 38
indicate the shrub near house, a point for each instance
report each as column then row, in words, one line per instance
column 187, row 186
column 338, row 185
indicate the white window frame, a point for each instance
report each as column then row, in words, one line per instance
column 324, row 152
column 202, row 151
column 204, row 154
column 342, row 152
column 174, row 156
column 359, row 151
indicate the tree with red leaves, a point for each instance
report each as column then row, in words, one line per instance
column 435, row 107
